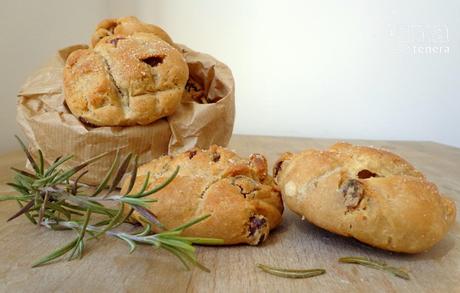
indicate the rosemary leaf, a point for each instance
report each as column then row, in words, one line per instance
column 16, row 197
column 136, row 201
column 183, row 245
column 191, row 223
column 171, row 233
column 41, row 161
column 41, row 212
column 376, row 265
column 107, row 177
column 86, row 203
column 102, row 223
column 200, row 240
column 58, row 162
column 125, row 218
column 66, row 175
column 144, row 186
column 19, row 188
column 291, row 273
column 75, row 183
column 23, row 210
column 112, row 222
column 28, row 155
column 121, row 171
column 67, row 213
column 178, row 255
column 74, row 208
column 78, row 249
column 55, row 254
column 192, row 259
column 133, row 175
column 27, row 214
column 148, row 216
column 81, row 246
column 160, row 186
column 85, row 223
column 399, row 272
column 24, row 182
column 146, row 231
column 24, row 173
column 131, row 244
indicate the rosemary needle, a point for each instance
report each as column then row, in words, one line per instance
column 291, row 273
column 375, row 265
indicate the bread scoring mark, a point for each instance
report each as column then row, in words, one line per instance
column 153, row 60
column 277, row 168
column 279, row 165
column 205, row 189
column 353, row 192
column 123, row 97
column 365, row 174
column 246, row 185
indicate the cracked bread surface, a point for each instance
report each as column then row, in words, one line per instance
column 369, row 194
column 122, row 81
column 243, row 201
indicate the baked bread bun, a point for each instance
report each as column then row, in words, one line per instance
column 123, row 81
column 243, row 201
column 126, row 26
column 365, row 193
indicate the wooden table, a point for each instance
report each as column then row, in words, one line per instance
column 107, row 266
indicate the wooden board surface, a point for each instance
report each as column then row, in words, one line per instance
column 107, row 266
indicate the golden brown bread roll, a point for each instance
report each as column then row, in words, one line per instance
column 129, row 80
column 126, row 26
column 365, row 193
column 243, row 201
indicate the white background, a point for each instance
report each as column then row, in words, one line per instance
column 340, row 69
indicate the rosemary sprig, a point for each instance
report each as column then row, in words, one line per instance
column 291, row 273
column 48, row 198
column 375, row 265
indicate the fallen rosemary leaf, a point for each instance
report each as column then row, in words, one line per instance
column 291, row 273
column 375, row 265
column 47, row 197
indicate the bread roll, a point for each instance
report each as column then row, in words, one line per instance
column 365, row 193
column 125, row 80
column 126, row 26
column 243, row 201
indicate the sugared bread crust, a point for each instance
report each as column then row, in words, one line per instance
column 123, row 81
column 243, row 201
column 366, row 193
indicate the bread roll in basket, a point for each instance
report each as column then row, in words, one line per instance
column 204, row 117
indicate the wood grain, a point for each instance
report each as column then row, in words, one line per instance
column 107, row 266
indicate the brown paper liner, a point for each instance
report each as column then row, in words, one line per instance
column 48, row 125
